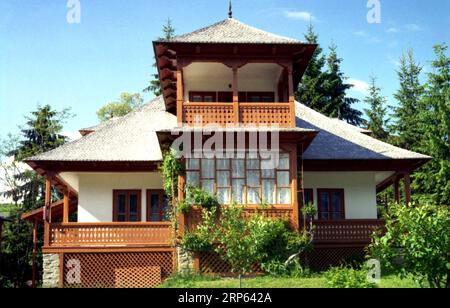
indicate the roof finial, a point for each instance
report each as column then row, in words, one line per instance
column 230, row 10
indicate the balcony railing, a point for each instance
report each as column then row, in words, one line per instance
column 247, row 114
column 346, row 231
column 108, row 235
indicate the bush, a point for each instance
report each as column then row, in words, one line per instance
column 416, row 243
column 347, row 277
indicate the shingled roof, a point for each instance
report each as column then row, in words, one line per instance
column 133, row 138
column 232, row 31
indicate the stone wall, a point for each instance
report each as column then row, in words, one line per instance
column 185, row 261
column 50, row 277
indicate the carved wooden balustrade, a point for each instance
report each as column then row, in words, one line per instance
column 247, row 114
column 108, row 235
column 353, row 231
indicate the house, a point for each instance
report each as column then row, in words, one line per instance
column 239, row 81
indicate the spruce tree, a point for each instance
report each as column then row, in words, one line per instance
column 433, row 180
column 406, row 133
column 155, row 85
column 310, row 90
column 337, row 104
column 376, row 114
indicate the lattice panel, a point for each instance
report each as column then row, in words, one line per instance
column 265, row 114
column 323, row 258
column 211, row 263
column 202, row 114
column 117, row 270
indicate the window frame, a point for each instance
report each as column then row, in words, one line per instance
column 160, row 193
column 127, row 193
column 261, row 93
column 330, row 191
column 202, row 94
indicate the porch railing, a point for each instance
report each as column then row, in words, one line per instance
column 346, row 231
column 251, row 114
column 108, row 234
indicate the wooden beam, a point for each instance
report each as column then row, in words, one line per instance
column 180, row 96
column 181, row 216
column 291, row 95
column 66, row 206
column 294, row 188
column 33, row 279
column 397, row 190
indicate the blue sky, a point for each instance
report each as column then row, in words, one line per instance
column 45, row 60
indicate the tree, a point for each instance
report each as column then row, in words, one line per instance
column 433, row 180
column 406, row 133
column 337, row 104
column 416, row 242
column 377, row 112
column 154, row 85
column 310, row 91
column 41, row 133
column 126, row 103
column 9, row 170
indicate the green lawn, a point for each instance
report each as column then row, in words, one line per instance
column 316, row 281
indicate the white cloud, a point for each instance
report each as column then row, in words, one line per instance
column 359, row 85
column 413, row 27
column 392, row 30
column 300, row 15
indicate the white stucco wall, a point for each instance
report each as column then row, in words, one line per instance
column 359, row 191
column 96, row 192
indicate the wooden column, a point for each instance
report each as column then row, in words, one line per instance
column 33, row 279
column 47, row 209
column 397, row 190
column 66, row 206
column 180, row 94
column 235, row 95
column 291, row 95
column 181, row 215
column 294, row 187
column 407, row 180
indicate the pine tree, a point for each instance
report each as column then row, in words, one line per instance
column 310, row 91
column 155, row 85
column 377, row 112
column 406, row 133
column 433, row 180
column 337, row 104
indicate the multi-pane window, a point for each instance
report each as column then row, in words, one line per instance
column 248, row 180
column 202, row 97
column 157, row 206
column 331, row 204
column 127, row 205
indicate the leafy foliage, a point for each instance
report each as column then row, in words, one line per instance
column 417, row 243
column 377, row 112
column 126, row 103
column 347, row 277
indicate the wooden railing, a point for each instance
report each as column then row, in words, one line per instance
column 246, row 114
column 108, row 234
column 346, row 231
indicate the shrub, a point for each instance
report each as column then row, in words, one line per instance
column 347, row 277
column 416, row 243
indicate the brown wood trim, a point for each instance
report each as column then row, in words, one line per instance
column 202, row 93
column 148, row 248
column 127, row 192
column 160, row 193
column 330, row 191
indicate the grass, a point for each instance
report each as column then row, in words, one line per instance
column 315, row 281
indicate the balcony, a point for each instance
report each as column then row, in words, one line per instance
column 244, row 114
column 107, row 235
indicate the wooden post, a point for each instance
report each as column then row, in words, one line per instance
column 294, row 188
column 66, row 206
column 235, row 95
column 196, row 262
column 47, row 209
column 181, row 215
column 33, row 279
column 407, row 180
column 291, row 95
column 397, row 190
column 180, row 95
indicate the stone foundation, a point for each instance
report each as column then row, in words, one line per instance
column 185, row 261
column 50, row 277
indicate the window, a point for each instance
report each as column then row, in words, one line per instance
column 202, row 97
column 261, row 97
column 127, row 205
column 157, row 206
column 331, row 204
column 247, row 180
column 225, row 97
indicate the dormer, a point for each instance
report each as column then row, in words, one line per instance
column 231, row 74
